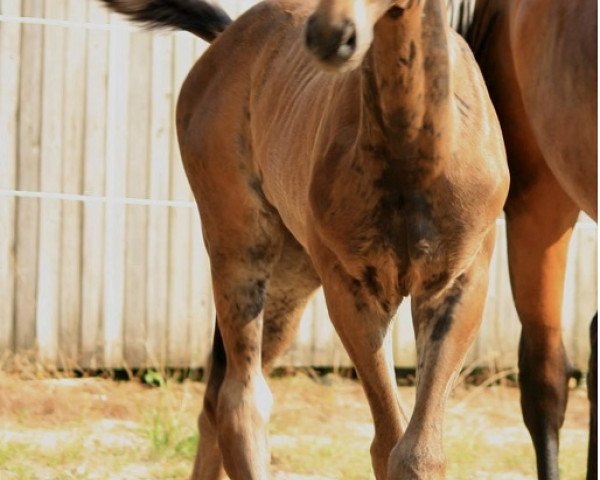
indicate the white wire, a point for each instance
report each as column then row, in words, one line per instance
column 97, row 199
column 51, row 22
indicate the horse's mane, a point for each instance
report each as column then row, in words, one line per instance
column 460, row 14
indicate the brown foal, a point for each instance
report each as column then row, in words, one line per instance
column 370, row 163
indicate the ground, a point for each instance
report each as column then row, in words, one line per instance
column 94, row 428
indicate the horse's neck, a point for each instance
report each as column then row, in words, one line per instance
column 406, row 87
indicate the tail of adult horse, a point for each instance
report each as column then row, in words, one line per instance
column 199, row 17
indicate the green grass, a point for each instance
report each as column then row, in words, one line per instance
column 334, row 459
column 167, row 426
column 25, row 461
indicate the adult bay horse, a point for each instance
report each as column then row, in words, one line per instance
column 370, row 162
column 539, row 60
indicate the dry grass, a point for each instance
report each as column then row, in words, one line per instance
column 100, row 429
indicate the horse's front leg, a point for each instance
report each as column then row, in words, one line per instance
column 445, row 325
column 364, row 328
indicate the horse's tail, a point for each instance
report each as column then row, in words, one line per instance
column 199, row 17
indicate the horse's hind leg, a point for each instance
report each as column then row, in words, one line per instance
column 540, row 219
column 208, row 464
column 291, row 283
column 244, row 239
column 244, row 400
column 592, row 388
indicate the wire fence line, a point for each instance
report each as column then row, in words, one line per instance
column 73, row 197
column 51, row 22
column 102, row 262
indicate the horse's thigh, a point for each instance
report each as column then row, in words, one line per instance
column 291, row 285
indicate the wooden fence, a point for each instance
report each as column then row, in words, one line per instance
column 101, row 260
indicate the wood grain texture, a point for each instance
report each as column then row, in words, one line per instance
column 138, row 151
column 48, row 280
column 10, row 52
column 94, row 166
column 30, row 105
column 158, row 233
column 116, row 170
column 72, row 182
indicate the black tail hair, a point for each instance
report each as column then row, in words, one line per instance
column 199, row 17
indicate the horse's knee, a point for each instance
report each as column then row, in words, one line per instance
column 415, row 461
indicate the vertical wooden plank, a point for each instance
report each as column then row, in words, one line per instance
column 302, row 349
column 319, row 347
column 72, row 180
column 30, row 105
column 179, row 320
column 340, row 356
column 482, row 349
column 94, row 182
column 10, row 53
column 403, row 337
column 140, row 78
column 48, row 304
column 506, row 328
column 487, row 350
column 116, row 164
column 158, row 238
column 570, row 298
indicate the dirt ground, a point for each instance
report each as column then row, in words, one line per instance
column 94, row 428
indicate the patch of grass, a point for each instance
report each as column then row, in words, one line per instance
column 169, row 434
column 573, row 460
column 167, row 425
column 186, row 447
column 10, row 451
column 25, row 461
column 171, row 470
column 518, row 458
column 20, row 472
column 326, row 457
column 66, row 454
